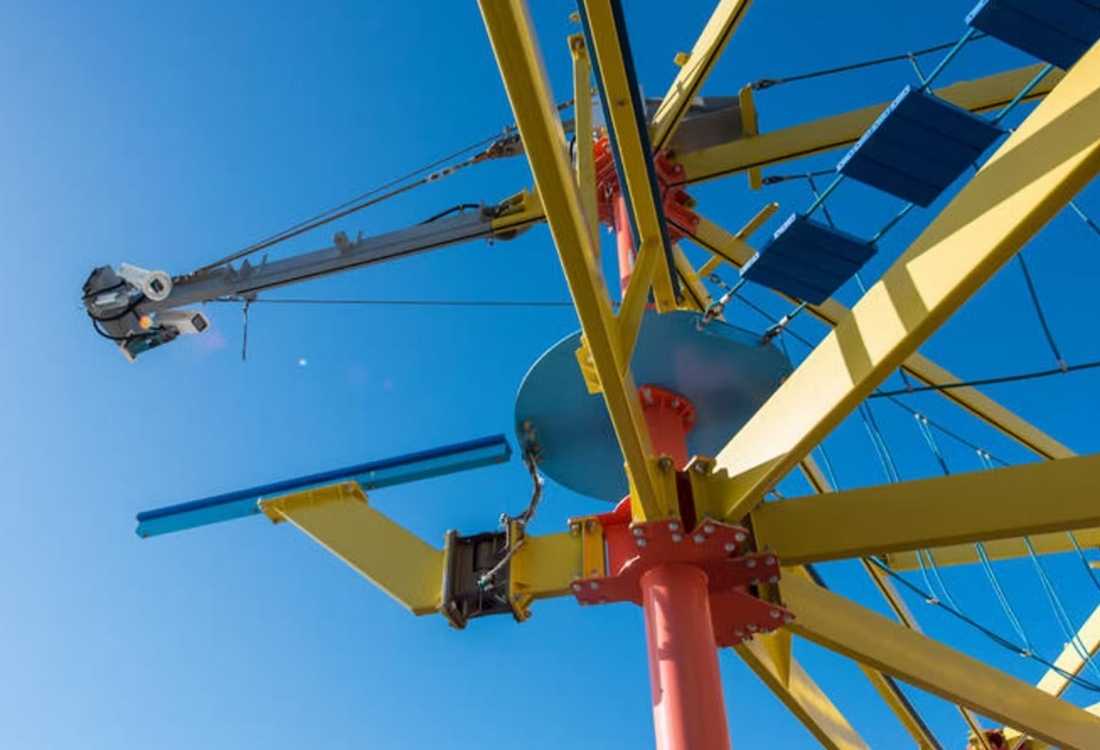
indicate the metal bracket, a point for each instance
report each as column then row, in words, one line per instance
column 466, row 559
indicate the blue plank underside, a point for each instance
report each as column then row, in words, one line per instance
column 388, row 472
column 1055, row 31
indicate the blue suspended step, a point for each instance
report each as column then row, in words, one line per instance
column 918, row 146
column 1055, row 31
column 807, row 260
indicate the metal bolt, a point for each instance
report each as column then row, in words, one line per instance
column 673, row 526
column 698, row 538
column 769, row 560
column 739, row 633
column 700, row 468
column 774, row 614
column 752, row 628
column 677, row 538
column 594, row 586
column 665, row 463
column 750, row 563
column 709, row 528
column 729, row 547
column 773, row 579
column 640, row 542
column 577, row 587
column 740, row 536
column 788, row 618
column 638, row 531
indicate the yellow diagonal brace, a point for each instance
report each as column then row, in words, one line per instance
column 635, row 160
column 685, row 87
column 1069, row 662
column 804, row 699
column 897, row 701
column 845, row 627
column 737, row 252
column 845, row 129
column 338, row 518
column 516, row 49
column 1004, row 549
column 956, row 509
column 1042, row 165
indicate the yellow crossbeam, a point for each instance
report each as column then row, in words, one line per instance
column 1069, row 662
column 689, row 81
column 858, row 633
column 841, row 130
column 801, row 695
column 521, row 67
column 961, row 508
column 630, row 140
column 1042, row 165
column 1003, row 549
column 338, row 518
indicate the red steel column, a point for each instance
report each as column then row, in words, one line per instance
column 689, row 712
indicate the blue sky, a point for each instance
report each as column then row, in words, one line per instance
column 169, row 134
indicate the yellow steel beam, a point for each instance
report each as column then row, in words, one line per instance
column 733, row 249
column 1038, row 169
column 886, row 688
column 1069, row 662
column 851, row 630
column 516, row 49
column 1002, row 549
column 977, row 506
column 697, row 298
column 803, row 698
column 685, row 87
column 338, row 518
column 582, row 131
column 630, row 141
column 845, row 129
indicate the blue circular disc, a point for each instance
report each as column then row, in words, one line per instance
column 726, row 372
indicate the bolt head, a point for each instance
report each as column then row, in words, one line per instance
column 677, row 538
column 673, row 526
column 774, row 614
column 773, row 579
column 700, row 468
column 665, row 463
column 640, row 542
column 594, row 586
column 788, row 618
column 729, row 547
column 739, row 633
column 769, row 560
column 698, row 539
column 637, row 531
column 708, row 529
column 740, row 536
column 577, row 587
column 752, row 627
column 750, row 563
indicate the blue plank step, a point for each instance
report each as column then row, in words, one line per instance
column 918, row 146
column 807, row 260
column 1055, row 31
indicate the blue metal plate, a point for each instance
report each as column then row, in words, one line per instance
column 726, row 372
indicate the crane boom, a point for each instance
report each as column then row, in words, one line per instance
column 140, row 309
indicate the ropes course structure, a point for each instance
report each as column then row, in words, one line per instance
column 688, row 425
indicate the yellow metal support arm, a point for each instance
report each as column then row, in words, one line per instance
column 1069, row 662
column 1042, row 165
column 689, row 81
column 851, row 630
column 1002, row 549
column 972, row 507
column 845, row 129
column 630, row 141
column 803, row 698
column 516, row 49
column 339, row 519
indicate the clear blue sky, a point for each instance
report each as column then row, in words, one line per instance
column 167, row 134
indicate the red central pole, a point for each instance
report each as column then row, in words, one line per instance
column 689, row 711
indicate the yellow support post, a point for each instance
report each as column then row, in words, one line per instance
column 720, row 28
column 339, row 519
column 961, row 508
column 801, row 695
column 635, row 159
column 1038, row 169
column 842, row 626
column 516, row 49
column 838, row 131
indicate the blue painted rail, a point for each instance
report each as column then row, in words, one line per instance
column 387, row 472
